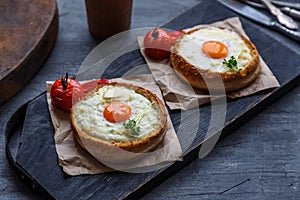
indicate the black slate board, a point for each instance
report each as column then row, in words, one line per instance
column 37, row 154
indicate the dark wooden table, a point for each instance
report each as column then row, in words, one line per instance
column 260, row 160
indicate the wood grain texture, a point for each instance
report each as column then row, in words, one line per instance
column 73, row 44
column 249, row 152
column 258, row 161
column 33, row 155
column 25, row 42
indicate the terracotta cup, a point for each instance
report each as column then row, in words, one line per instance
column 108, row 17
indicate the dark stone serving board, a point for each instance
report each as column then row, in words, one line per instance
column 37, row 156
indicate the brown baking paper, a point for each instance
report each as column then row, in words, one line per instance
column 75, row 160
column 179, row 95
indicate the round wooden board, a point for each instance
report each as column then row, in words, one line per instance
column 28, row 31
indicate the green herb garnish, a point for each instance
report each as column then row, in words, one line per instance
column 231, row 63
column 134, row 124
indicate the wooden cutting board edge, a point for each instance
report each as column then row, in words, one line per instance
column 11, row 84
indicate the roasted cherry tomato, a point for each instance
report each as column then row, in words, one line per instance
column 87, row 87
column 65, row 92
column 158, row 43
column 175, row 35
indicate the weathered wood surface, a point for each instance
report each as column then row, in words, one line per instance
column 260, row 160
column 28, row 31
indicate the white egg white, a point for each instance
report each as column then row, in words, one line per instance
column 89, row 114
column 190, row 49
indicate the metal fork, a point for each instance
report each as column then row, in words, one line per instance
column 295, row 14
column 281, row 17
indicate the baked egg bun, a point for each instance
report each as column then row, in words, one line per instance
column 118, row 116
column 202, row 56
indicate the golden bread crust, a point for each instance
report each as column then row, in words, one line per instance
column 111, row 150
column 198, row 78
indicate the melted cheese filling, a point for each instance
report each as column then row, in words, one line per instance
column 88, row 114
column 191, row 44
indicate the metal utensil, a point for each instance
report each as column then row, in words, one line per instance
column 291, row 12
column 282, row 4
column 281, row 17
column 255, row 15
column 287, row 10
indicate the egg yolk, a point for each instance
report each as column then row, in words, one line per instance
column 215, row 49
column 116, row 112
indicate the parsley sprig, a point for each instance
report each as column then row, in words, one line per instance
column 133, row 125
column 231, row 63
